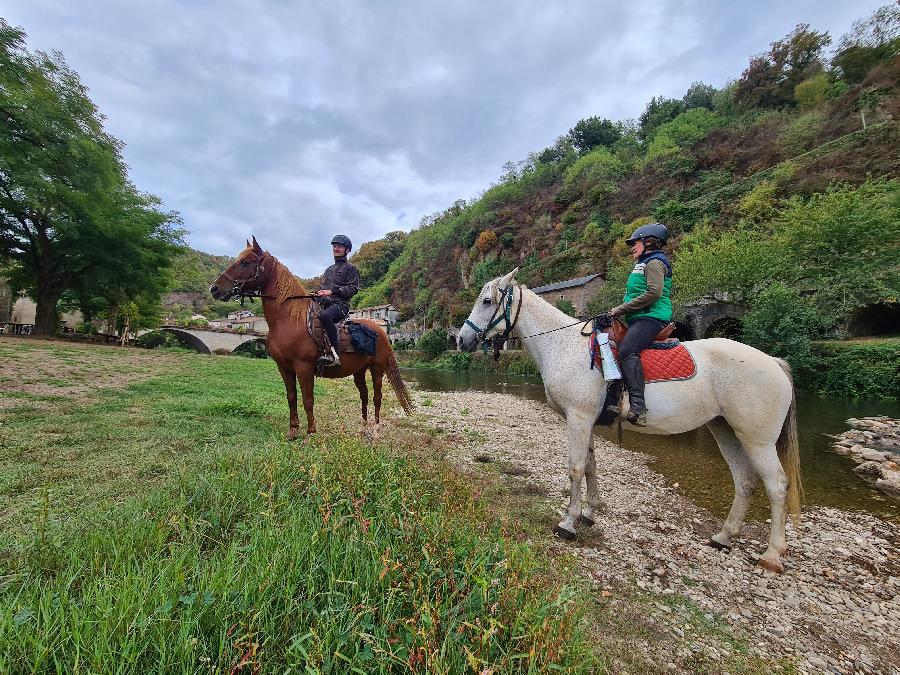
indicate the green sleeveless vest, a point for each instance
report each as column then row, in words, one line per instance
column 637, row 284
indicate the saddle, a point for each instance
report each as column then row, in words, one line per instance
column 317, row 333
column 664, row 360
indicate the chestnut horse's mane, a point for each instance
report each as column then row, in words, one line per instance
column 284, row 286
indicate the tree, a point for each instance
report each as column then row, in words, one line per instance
column 699, row 95
column 870, row 41
column 69, row 218
column 592, row 132
column 375, row 257
column 658, row 112
column 769, row 79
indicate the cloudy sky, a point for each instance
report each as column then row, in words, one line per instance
column 296, row 120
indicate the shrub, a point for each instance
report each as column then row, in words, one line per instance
column 782, row 323
column 800, row 134
column 813, row 92
column 433, row 343
column 864, row 369
column 683, row 131
column 566, row 306
column 486, row 241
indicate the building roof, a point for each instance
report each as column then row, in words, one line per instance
column 560, row 285
column 362, row 309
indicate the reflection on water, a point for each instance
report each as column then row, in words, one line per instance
column 693, row 459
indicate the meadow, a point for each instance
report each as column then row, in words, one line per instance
column 154, row 520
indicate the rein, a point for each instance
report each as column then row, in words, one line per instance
column 258, row 273
column 506, row 315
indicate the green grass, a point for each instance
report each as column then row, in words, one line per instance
column 167, row 527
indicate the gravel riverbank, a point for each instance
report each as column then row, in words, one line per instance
column 836, row 608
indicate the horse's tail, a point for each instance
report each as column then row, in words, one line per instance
column 393, row 375
column 788, row 447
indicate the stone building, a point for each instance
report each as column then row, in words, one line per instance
column 577, row 291
column 386, row 313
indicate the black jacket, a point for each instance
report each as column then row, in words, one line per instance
column 342, row 279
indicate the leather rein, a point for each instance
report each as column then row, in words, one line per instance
column 238, row 286
column 504, row 313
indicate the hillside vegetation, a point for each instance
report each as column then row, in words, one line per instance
column 781, row 186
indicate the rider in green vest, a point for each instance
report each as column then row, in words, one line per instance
column 646, row 308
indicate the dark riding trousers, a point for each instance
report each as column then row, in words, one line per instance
column 639, row 336
column 331, row 316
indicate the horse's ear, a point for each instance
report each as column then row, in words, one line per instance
column 505, row 281
column 256, row 247
column 248, row 243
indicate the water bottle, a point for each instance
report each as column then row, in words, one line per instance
column 607, row 359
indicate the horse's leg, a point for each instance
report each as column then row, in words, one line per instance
column 290, row 386
column 593, row 491
column 307, row 383
column 579, row 440
column 764, row 458
column 744, row 477
column 359, row 378
column 377, row 376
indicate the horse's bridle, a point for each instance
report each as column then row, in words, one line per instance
column 505, row 314
column 258, row 272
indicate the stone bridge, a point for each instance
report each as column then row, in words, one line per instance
column 717, row 316
column 211, row 341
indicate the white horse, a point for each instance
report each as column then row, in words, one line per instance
column 743, row 396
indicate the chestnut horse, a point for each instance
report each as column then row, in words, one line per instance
column 257, row 273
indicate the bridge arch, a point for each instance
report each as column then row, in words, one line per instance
column 187, row 338
column 710, row 317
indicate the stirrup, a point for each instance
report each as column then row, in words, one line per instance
column 637, row 419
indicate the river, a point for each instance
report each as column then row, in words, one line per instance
column 693, row 460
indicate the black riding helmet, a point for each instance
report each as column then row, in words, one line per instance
column 655, row 230
column 343, row 240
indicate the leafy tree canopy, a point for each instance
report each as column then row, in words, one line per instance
column 770, row 78
column 69, row 217
column 593, row 132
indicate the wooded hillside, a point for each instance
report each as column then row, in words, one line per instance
column 780, row 186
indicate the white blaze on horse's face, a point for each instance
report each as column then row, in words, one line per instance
column 486, row 310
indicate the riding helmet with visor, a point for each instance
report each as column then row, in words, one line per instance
column 343, row 240
column 657, row 231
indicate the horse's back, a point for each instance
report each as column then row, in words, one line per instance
column 751, row 387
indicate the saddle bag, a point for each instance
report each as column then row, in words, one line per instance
column 362, row 337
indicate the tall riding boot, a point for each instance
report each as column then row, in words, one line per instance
column 633, row 371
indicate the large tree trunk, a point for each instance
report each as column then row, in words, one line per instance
column 46, row 319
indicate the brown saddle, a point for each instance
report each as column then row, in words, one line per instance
column 314, row 328
column 619, row 328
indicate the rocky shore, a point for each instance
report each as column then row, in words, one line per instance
column 874, row 444
column 835, row 609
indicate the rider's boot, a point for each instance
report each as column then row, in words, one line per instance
column 333, row 359
column 633, row 371
column 635, row 382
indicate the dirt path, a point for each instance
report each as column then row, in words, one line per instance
column 835, row 609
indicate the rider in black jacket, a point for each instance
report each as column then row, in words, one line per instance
column 339, row 283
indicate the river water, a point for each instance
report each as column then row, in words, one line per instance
column 693, row 459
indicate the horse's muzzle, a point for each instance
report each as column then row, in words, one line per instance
column 467, row 340
column 219, row 294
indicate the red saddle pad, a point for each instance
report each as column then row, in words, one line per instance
column 662, row 365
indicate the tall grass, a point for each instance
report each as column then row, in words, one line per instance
column 259, row 556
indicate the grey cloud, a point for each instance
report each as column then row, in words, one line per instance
column 294, row 121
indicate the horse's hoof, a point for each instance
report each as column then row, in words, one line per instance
column 563, row 533
column 719, row 546
column 292, row 435
column 584, row 520
column 773, row 566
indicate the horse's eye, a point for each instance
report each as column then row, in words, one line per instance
column 244, row 263
column 487, row 301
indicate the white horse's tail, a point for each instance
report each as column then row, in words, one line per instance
column 788, row 447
